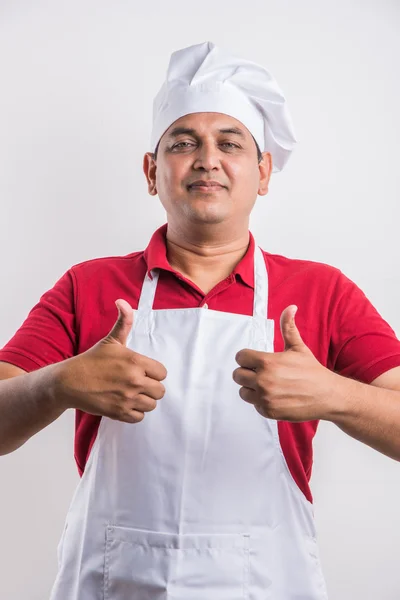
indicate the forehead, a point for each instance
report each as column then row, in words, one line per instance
column 206, row 123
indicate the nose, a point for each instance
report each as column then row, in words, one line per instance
column 207, row 157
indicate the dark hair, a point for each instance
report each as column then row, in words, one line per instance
column 154, row 155
column 259, row 153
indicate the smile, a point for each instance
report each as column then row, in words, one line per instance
column 203, row 186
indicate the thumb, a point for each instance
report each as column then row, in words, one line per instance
column 123, row 324
column 290, row 333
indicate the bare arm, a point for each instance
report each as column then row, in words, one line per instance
column 108, row 380
column 27, row 404
column 371, row 413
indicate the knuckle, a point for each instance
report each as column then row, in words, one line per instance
column 160, row 391
column 265, row 407
column 143, row 403
column 240, row 380
column 151, row 405
column 239, row 357
column 163, row 371
column 136, row 371
column 270, row 406
column 266, row 382
column 137, row 416
column 136, row 361
column 243, row 393
column 135, row 378
column 116, row 412
column 132, row 416
column 127, row 418
column 154, row 390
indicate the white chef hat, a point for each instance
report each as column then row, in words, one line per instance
column 205, row 78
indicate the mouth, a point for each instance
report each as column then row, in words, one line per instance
column 206, row 186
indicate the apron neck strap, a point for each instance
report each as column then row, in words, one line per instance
column 148, row 292
column 260, row 306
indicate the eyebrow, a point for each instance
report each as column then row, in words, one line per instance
column 187, row 131
column 234, row 130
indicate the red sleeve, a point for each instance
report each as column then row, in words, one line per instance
column 48, row 335
column 362, row 344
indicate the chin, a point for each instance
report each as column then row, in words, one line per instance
column 207, row 213
column 206, row 217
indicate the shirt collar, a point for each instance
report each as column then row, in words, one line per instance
column 155, row 256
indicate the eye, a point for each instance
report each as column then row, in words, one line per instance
column 182, row 145
column 230, row 145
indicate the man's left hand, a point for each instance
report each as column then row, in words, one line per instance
column 288, row 386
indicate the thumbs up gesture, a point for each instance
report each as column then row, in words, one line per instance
column 109, row 379
column 287, row 386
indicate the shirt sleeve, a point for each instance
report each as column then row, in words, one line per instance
column 362, row 344
column 48, row 334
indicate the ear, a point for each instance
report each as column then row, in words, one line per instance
column 150, row 169
column 265, row 168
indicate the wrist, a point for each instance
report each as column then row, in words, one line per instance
column 342, row 398
column 52, row 386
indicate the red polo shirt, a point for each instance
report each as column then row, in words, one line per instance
column 334, row 317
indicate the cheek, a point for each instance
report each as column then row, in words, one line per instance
column 163, row 177
column 244, row 176
column 170, row 176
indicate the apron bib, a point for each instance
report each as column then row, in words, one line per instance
column 195, row 502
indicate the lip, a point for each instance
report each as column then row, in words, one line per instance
column 203, row 185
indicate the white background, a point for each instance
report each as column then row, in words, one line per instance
column 76, row 86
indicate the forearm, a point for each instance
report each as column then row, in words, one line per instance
column 27, row 405
column 369, row 414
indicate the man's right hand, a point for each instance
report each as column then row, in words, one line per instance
column 109, row 379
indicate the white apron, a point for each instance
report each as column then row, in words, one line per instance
column 196, row 502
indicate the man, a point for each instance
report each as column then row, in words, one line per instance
column 196, row 410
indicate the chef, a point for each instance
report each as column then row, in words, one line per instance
column 197, row 406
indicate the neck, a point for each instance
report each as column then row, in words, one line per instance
column 206, row 255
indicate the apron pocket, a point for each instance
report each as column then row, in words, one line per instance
column 146, row 565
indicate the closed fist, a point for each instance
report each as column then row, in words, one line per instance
column 109, row 379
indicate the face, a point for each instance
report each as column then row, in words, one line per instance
column 207, row 170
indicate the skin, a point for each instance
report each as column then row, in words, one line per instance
column 208, row 228
column 207, row 236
